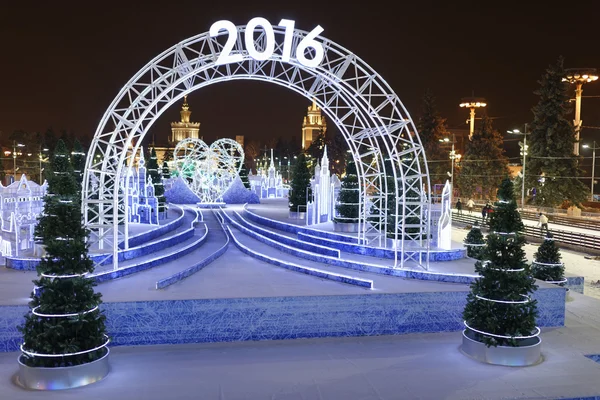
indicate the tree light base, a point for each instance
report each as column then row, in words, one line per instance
column 347, row 227
column 41, row 378
column 526, row 354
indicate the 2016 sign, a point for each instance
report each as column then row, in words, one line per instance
column 307, row 42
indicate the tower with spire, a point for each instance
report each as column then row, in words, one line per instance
column 185, row 128
column 314, row 123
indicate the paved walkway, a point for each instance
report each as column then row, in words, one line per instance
column 415, row 366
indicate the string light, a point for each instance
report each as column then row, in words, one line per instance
column 536, row 334
column 32, row 354
column 34, row 312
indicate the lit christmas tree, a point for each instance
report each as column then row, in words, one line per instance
column 349, row 197
column 300, row 185
column 499, row 308
column 547, row 265
column 166, row 172
column 64, row 318
column 475, row 242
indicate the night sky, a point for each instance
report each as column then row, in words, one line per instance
column 64, row 62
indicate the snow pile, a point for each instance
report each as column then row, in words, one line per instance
column 180, row 193
column 238, row 194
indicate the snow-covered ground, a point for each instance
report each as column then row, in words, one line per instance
column 575, row 263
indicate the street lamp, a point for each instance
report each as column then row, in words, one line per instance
column 524, row 154
column 42, row 150
column 579, row 76
column 593, row 147
column 453, row 156
column 15, row 145
column 472, row 103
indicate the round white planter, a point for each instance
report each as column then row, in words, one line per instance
column 348, row 227
column 40, row 378
column 528, row 353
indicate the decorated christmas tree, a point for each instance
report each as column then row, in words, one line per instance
column 547, row 265
column 499, row 308
column 65, row 326
column 166, row 172
column 475, row 242
column 300, row 185
column 78, row 160
column 155, row 175
column 348, row 202
column 244, row 176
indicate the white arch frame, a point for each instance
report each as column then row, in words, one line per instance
column 369, row 114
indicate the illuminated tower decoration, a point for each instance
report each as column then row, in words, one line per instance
column 184, row 129
column 579, row 76
column 314, row 123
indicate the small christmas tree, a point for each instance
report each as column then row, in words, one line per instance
column 499, row 308
column 475, row 242
column 64, row 317
column 244, row 176
column 547, row 265
column 159, row 189
column 300, row 185
column 348, row 202
column 166, row 172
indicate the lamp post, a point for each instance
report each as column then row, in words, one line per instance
column 15, row 145
column 524, row 154
column 593, row 147
column 579, row 76
column 42, row 150
column 472, row 103
column 453, row 156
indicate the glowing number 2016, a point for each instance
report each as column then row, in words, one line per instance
column 226, row 57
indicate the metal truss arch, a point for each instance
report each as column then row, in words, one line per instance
column 374, row 122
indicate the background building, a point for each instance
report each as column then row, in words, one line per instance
column 314, row 123
column 179, row 130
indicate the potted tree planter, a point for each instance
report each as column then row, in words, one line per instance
column 64, row 333
column 499, row 317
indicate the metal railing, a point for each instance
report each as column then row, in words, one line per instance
column 574, row 239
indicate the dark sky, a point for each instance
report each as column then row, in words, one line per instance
column 63, row 62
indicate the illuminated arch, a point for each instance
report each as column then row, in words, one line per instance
column 368, row 113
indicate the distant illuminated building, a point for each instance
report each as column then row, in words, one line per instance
column 180, row 130
column 240, row 140
column 184, row 129
column 314, row 123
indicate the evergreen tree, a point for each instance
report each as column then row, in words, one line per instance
column 166, row 172
column 349, row 197
column 155, row 176
column 547, row 265
column 78, row 160
column 483, row 164
column 244, row 176
column 300, row 187
column 70, row 291
column 315, row 150
column 168, row 155
column 551, row 144
column 475, row 242
column 432, row 129
column 505, row 276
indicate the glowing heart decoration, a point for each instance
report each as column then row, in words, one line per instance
column 208, row 171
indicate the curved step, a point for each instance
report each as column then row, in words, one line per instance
column 148, row 261
column 179, row 276
column 298, row 268
column 364, row 264
column 299, row 244
column 275, row 243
